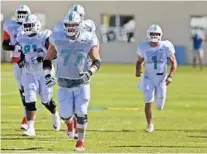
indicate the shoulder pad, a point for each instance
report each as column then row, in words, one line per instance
column 89, row 25
column 8, row 23
column 167, row 44
column 46, row 33
column 143, row 44
column 56, row 36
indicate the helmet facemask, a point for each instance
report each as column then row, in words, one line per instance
column 155, row 37
column 72, row 29
column 21, row 13
column 31, row 27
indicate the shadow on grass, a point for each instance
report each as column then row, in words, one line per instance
column 105, row 130
column 18, row 149
column 89, row 130
column 198, row 136
column 156, row 146
column 183, row 130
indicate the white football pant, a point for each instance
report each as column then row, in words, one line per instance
column 73, row 101
column 34, row 84
column 154, row 88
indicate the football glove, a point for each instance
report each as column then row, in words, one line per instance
column 85, row 76
column 21, row 63
column 49, row 80
column 37, row 60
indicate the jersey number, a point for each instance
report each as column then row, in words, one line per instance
column 27, row 48
column 67, row 54
column 154, row 58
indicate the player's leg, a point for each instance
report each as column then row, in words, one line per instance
column 46, row 95
column 200, row 57
column 18, row 75
column 75, row 127
column 82, row 98
column 30, row 87
column 148, row 90
column 160, row 95
column 65, row 100
column 194, row 58
column 72, row 126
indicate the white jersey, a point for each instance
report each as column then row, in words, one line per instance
column 13, row 28
column 155, row 58
column 31, row 49
column 87, row 25
column 72, row 54
column 59, row 26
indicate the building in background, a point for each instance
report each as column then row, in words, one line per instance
column 118, row 45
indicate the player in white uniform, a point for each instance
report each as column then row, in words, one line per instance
column 34, row 43
column 72, row 47
column 87, row 25
column 154, row 53
column 11, row 29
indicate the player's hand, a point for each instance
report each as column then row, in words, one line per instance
column 49, row 80
column 85, row 76
column 168, row 80
column 37, row 60
column 138, row 74
column 38, row 50
column 21, row 63
column 17, row 48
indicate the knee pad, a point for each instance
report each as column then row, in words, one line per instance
column 82, row 121
column 66, row 119
column 51, row 106
column 30, row 106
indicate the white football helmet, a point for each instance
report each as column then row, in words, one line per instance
column 154, row 33
column 80, row 9
column 31, row 24
column 21, row 12
column 72, row 24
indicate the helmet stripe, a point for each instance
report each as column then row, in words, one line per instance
column 75, row 7
column 155, row 27
column 71, row 16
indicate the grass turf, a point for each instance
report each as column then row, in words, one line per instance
column 180, row 127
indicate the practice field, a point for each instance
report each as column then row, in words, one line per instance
column 116, row 116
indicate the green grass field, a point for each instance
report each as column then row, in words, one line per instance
column 180, row 127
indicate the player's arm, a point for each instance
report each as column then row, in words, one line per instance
column 51, row 53
column 173, row 65
column 139, row 65
column 47, row 65
column 6, row 42
column 94, row 54
column 96, row 63
column 139, row 62
column 203, row 38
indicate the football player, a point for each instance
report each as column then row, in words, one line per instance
column 11, row 29
column 73, row 46
column 155, row 54
column 34, row 43
column 87, row 25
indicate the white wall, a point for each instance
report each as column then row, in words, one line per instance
column 174, row 18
